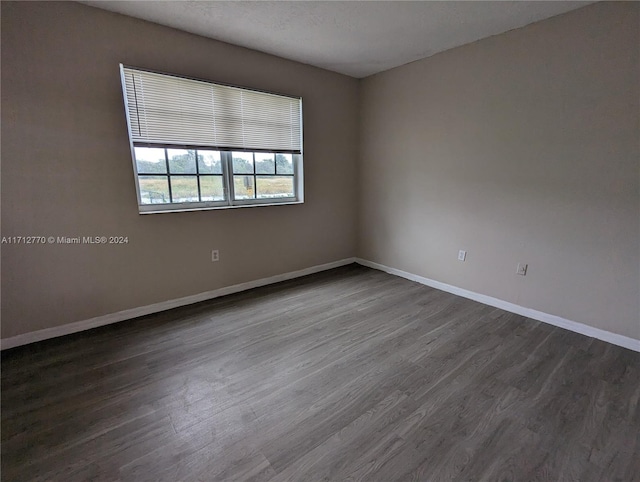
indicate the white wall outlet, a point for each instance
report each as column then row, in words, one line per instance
column 215, row 255
column 521, row 269
column 462, row 255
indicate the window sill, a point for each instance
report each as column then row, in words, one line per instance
column 211, row 208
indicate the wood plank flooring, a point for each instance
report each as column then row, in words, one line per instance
column 350, row 374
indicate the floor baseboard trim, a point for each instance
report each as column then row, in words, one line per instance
column 83, row 325
column 614, row 338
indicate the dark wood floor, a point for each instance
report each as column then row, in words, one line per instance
column 350, row 374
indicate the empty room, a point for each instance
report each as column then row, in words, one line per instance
column 320, row 241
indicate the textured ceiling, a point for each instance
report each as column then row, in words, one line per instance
column 356, row 38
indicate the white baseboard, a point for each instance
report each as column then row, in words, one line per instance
column 69, row 328
column 34, row 336
column 614, row 338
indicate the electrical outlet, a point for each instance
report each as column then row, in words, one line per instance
column 462, row 255
column 215, row 255
column 521, row 269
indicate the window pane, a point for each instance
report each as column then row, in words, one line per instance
column 182, row 161
column 150, row 160
column 211, row 188
column 244, row 188
column 274, row 186
column 209, row 162
column 284, row 163
column 154, row 189
column 264, row 163
column 242, row 162
column 184, row 189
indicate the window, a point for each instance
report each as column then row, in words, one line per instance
column 202, row 145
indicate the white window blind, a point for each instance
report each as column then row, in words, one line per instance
column 165, row 109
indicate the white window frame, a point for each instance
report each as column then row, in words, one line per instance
column 227, row 168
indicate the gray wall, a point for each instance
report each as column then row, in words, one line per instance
column 522, row 147
column 66, row 170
